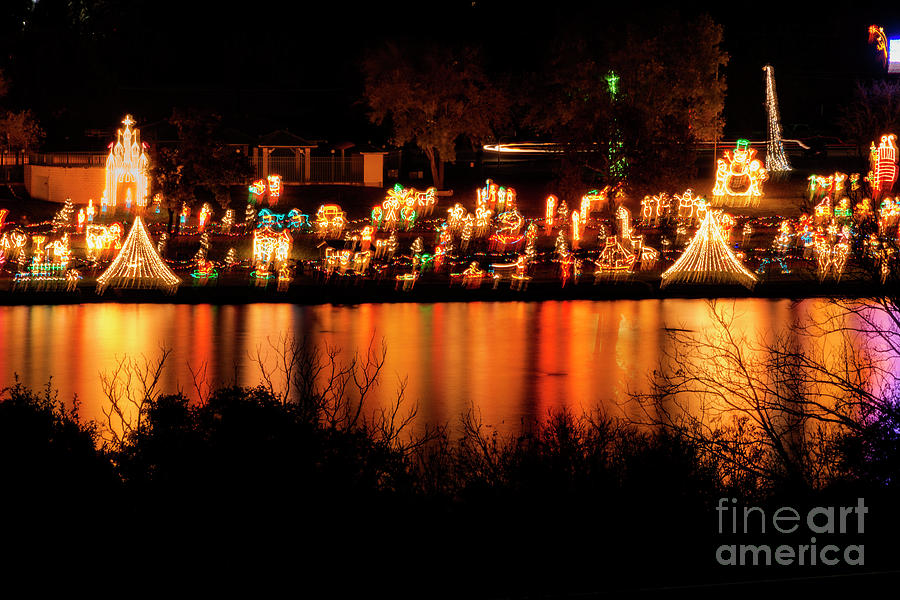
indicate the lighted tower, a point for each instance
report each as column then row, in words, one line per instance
column 127, row 167
column 775, row 157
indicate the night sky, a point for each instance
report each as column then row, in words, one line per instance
column 80, row 63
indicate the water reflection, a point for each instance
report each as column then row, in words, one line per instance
column 513, row 361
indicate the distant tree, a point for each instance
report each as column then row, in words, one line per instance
column 433, row 97
column 874, row 111
column 631, row 107
column 20, row 131
column 201, row 162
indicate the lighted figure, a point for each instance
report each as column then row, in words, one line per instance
column 473, row 276
column 230, row 257
column 888, row 215
column 103, row 204
column 482, row 221
column 80, row 220
column 739, row 176
column 72, row 279
column 593, row 200
column 274, row 189
column 330, row 221
column 550, row 214
column 204, row 272
column 157, row 203
column 99, row 238
column 650, row 211
column 877, row 37
column 823, row 212
column 185, row 213
column 228, row 220
column 468, row 231
column 90, row 211
column 783, row 240
column 455, row 216
column 203, row 219
column 688, row 207
column 284, row 278
column 509, row 225
column 614, row 259
column 576, row 228
column 884, row 168
column 138, row 264
column 257, row 189
column 127, row 167
column 708, row 259
column 496, row 198
column 863, row 210
column 407, row 281
column 270, row 246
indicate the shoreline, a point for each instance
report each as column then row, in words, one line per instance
column 354, row 292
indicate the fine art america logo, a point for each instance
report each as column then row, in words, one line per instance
column 790, row 524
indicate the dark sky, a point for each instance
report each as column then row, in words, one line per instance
column 266, row 65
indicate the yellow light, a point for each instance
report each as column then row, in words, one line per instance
column 127, row 163
column 138, row 264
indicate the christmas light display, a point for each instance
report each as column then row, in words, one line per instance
column 100, row 237
column 270, row 246
column 576, row 228
column 550, row 214
column 885, row 166
column 708, row 259
column 495, row 197
column 593, row 200
column 888, row 215
column 274, row 188
column 126, row 164
column 615, row 258
column 739, row 177
column 507, row 235
column 64, row 216
column 330, row 221
column 138, row 264
column 257, row 188
column 877, row 37
column 203, row 219
column 90, row 211
column 689, row 207
column 775, row 158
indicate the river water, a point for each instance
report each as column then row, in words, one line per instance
column 512, row 361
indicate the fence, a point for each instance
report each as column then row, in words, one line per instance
column 321, row 169
column 68, row 159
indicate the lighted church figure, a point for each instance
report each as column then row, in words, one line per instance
column 739, row 177
column 127, row 169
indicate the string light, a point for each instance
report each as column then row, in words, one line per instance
column 708, row 259
column 138, row 264
column 775, row 156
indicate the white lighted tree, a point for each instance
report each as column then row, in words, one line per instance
column 708, row 259
column 138, row 264
column 776, row 160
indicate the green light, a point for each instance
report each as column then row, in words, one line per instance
column 612, row 82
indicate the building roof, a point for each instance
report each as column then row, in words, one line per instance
column 285, row 139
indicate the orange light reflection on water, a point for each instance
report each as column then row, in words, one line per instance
column 512, row 361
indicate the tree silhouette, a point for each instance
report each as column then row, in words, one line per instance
column 433, row 96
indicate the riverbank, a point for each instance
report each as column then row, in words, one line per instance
column 351, row 291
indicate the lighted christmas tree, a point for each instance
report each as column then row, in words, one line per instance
column 138, row 264
column 708, row 259
column 775, row 157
